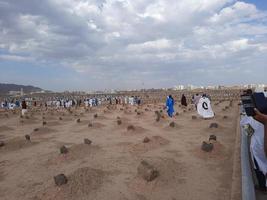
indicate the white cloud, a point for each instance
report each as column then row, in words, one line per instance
column 15, row 58
column 110, row 38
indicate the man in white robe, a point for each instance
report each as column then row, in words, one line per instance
column 259, row 158
column 204, row 108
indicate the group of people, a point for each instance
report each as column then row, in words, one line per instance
column 118, row 100
column 202, row 104
column 67, row 102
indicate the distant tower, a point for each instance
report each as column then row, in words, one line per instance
column 21, row 92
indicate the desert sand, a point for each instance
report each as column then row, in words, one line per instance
column 107, row 168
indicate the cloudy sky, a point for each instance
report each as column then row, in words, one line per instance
column 125, row 44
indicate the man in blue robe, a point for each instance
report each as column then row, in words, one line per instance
column 169, row 105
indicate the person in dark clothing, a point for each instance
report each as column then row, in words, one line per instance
column 24, row 107
column 183, row 100
column 23, row 104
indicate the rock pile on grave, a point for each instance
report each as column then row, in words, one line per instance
column 130, row 128
column 214, row 125
column 87, row 141
column 63, row 150
column 207, row 147
column 28, row 137
column 147, row 171
column 2, row 143
column 146, row 140
column 213, row 137
column 60, row 179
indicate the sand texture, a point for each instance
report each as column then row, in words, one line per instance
column 107, row 168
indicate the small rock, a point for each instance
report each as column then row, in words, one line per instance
column 177, row 114
column 172, row 124
column 78, row 120
column 28, row 138
column 214, row 125
column 225, row 117
column 2, row 143
column 95, row 115
column 213, row 137
column 36, row 129
column 60, row 179
column 194, row 117
column 90, row 124
column 207, row 146
column 44, row 123
column 87, row 141
column 158, row 115
column 130, row 128
column 119, row 122
column 147, row 171
column 60, row 118
column 146, row 140
column 63, row 150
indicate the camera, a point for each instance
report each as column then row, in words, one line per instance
column 255, row 100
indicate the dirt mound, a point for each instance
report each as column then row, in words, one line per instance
column 172, row 126
column 42, row 131
column 5, row 128
column 170, row 173
column 29, row 121
column 128, row 112
column 79, row 122
column 17, row 144
column 134, row 130
column 82, row 184
column 101, row 117
column 78, row 151
column 53, row 123
column 214, row 127
column 155, row 142
column 96, row 125
column 218, row 152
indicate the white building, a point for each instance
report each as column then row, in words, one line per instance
column 179, row 87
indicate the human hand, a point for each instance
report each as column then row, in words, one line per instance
column 260, row 117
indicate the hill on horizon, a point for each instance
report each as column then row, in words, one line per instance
column 5, row 88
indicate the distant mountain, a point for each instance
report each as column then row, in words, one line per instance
column 6, row 88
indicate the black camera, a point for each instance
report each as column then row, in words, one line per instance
column 255, row 100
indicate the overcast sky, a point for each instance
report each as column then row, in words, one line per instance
column 125, row 44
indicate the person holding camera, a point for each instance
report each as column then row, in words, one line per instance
column 258, row 148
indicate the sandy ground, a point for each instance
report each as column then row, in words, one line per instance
column 107, row 169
